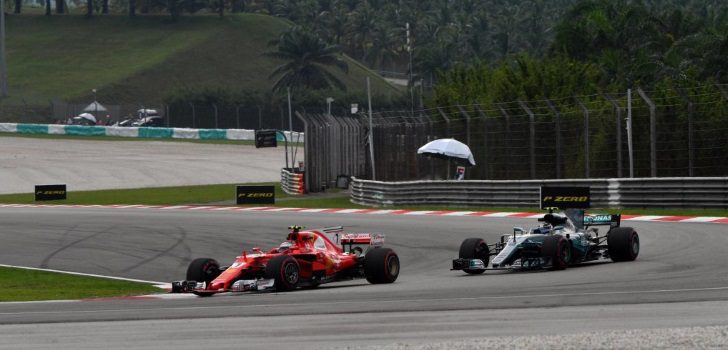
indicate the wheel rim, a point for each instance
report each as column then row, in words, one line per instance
column 635, row 245
column 393, row 266
column 290, row 273
column 565, row 253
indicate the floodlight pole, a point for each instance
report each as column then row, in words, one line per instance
column 629, row 132
column 96, row 105
column 3, row 65
column 290, row 124
column 371, row 131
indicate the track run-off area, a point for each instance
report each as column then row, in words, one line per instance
column 675, row 295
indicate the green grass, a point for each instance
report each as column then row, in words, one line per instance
column 207, row 194
column 141, row 60
column 30, row 285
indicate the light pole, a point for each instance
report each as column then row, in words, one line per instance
column 96, row 105
column 3, row 66
column 411, row 83
column 328, row 104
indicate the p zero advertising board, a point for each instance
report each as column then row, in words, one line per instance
column 50, row 192
column 255, row 195
column 565, row 197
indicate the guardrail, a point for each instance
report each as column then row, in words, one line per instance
column 292, row 182
column 138, row 132
column 679, row 192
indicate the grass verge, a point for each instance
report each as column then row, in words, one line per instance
column 225, row 194
column 180, row 195
column 31, row 285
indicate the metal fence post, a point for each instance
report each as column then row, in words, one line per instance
column 532, row 139
column 691, row 146
column 485, row 139
column 307, row 151
column 618, row 112
column 194, row 122
column 586, row 135
column 237, row 116
column 653, row 133
column 214, row 107
column 507, row 151
column 557, row 131
column 467, row 124
column 447, row 121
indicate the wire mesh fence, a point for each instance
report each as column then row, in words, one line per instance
column 674, row 133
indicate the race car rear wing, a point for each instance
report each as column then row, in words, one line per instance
column 613, row 220
column 353, row 242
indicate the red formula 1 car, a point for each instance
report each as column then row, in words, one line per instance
column 307, row 258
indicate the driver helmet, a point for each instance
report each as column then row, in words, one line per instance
column 285, row 246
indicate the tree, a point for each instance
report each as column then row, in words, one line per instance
column 306, row 57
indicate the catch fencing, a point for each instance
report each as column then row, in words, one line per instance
column 605, row 193
column 678, row 132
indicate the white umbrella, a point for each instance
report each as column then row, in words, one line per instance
column 448, row 149
column 87, row 116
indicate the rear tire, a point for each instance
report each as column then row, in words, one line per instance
column 285, row 271
column 475, row 248
column 381, row 265
column 558, row 249
column 203, row 270
column 623, row 244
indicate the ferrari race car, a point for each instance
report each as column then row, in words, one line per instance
column 563, row 239
column 307, row 258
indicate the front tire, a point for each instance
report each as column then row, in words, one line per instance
column 623, row 244
column 475, row 248
column 203, row 270
column 558, row 250
column 285, row 271
column 381, row 265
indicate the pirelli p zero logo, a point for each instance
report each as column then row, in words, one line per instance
column 255, row 195
column 50, row 192
column 565, row 197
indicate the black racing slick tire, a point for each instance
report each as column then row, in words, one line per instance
column 475, row 248
column 203, row 270
column 623, row 244
column 381, row 265
column 558, row 250
column 285, row 271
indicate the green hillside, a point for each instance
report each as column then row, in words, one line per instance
column 141, row 60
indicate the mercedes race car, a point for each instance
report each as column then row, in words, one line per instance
column 307, row 258
column 563, row 239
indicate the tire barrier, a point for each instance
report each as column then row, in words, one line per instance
column 677, row 192
column 139, row 132
column 292, row 182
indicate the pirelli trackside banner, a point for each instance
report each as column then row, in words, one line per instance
column 565, row 197
column 256, row 195
column 50, row 192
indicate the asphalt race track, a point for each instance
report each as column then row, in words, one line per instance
column 674, row 296
column 100, row 165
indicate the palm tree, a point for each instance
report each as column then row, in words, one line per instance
column 306, row 56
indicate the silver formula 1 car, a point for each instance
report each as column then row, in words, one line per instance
column 565, row 238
